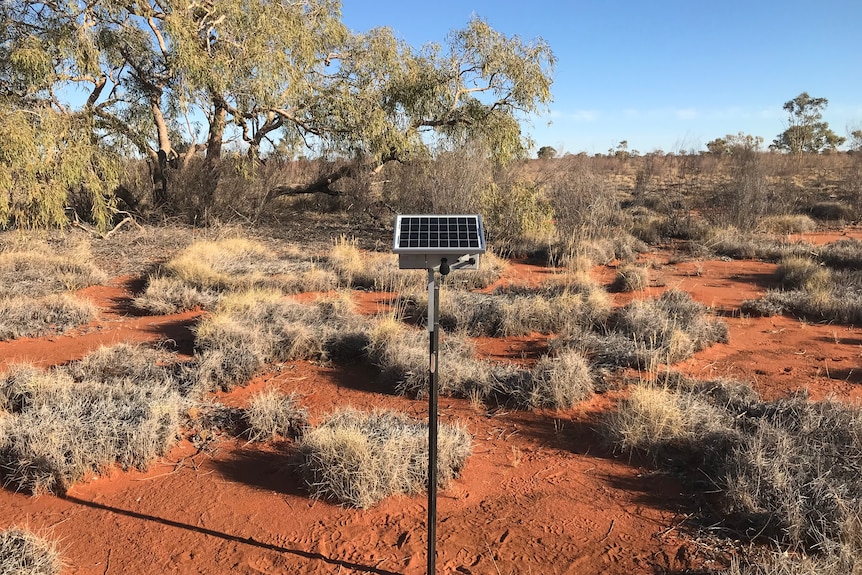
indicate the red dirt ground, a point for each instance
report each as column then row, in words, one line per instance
column 539, row 495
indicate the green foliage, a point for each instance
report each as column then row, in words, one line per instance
column 46, row 159
column 730, row 144
column 546, row 153
column 282, row 72
column 806, row 131
column 517, row 211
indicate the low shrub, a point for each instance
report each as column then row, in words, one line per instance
column 169, row 295
column 35, row 317
column 66, row 430
column 558, row 382
column 253, row 328
column 272, row 414
column 37, row 273
column 199, row 275
column 25, row 553
column 799, row 272
column 831, row 211
column 787, row 224
column 359, row 458
column 631, row 278
column 789, row 470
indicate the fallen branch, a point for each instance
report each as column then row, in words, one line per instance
column 92, row 230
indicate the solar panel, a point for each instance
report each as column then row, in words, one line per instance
column 455, row 234
column 424, row 241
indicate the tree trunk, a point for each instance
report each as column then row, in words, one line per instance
column 160, row 159
column 212, row 159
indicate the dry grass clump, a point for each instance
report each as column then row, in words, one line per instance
column 517, row 310
column 669, row 426
column 846, row 253
column 272, row 414
column 61, row 431
column 645, row 333
column 788, row 470
column 784, row 563
column 733, row 243
column 787, row 224
column 378, row 271
column 37, row 273
column 797, row 472
column 34, row 317
column 825, row 305
column 490, row 270
column 253, row 328
column 401, row 355
column 369, row 270
column 167, row 295
column 25, row 553
column 812, row 291
column 631, row 278
column 200, row 274
column 559, row 382
column 800, row 272
column 359, row 458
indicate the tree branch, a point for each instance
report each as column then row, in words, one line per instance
column 321, row 185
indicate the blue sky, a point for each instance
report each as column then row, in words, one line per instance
column 662, row 74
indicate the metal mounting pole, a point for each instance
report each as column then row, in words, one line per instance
column 433, row 328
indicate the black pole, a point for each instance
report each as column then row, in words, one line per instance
column 433, row 326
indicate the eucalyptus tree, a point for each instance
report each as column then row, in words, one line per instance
column 143, row 75
column 806, row 131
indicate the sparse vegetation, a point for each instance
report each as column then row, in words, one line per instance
column 359, row 458
column 767, row 459
column 202, row 273
column 631, row 278
column 250, row 329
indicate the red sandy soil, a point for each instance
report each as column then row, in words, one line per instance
column 539, row 495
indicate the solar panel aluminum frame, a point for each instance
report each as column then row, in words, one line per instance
column 426, row 246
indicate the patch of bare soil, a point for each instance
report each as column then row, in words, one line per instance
column 540, row 494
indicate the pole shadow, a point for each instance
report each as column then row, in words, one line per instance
column 233, row 538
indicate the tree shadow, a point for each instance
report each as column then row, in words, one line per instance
column 251, row 541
